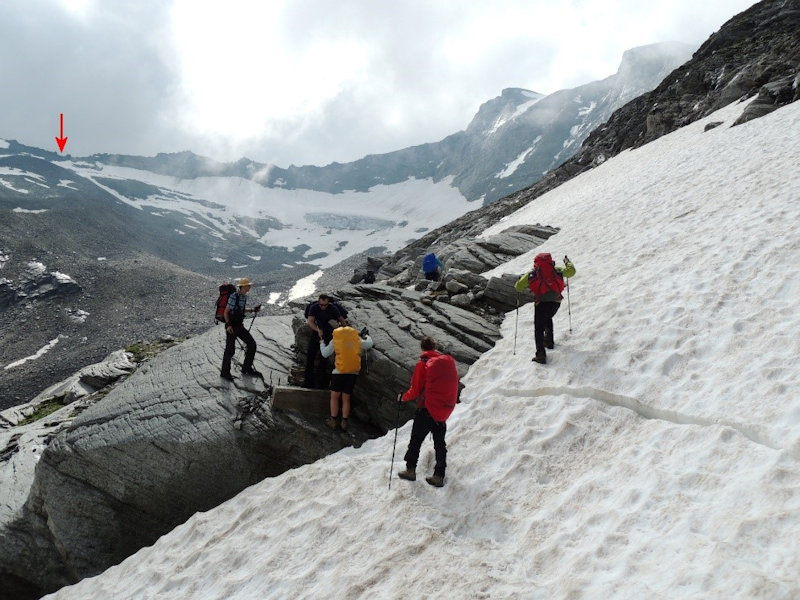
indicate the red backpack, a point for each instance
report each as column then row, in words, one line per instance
column 544, row 277
column 225, row 290
column 441, row 386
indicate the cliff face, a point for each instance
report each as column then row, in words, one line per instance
column 749, row 55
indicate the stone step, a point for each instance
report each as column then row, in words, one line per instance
column 304, row 400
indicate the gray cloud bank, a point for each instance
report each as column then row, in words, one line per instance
column 115, row 73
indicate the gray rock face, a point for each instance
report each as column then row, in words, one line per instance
column 362, row 272
column 501, row 294
column 172, row 439
column 465, row 258
column 36, row 283
column 397, row 319
column 771, row 97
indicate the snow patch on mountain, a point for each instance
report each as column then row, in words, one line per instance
column 41, row 352
column 304, row 286
column 585, row 110
column 10, row 186
column 503, row 120
column 514, row 164
column 77, row 315
column 37, row 211
column 385, row 216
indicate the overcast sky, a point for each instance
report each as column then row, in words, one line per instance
column 304, row 81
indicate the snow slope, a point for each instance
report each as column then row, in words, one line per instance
column 657, row 455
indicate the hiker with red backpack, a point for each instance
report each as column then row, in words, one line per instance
column 346, row 344
column 546, row 282
column 233, row 317
column 434, row 385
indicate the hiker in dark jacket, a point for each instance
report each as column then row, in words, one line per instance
column 546, row 282
column 320, row 314
column 234, row 328
column 435, row 402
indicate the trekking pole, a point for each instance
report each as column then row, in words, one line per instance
column 396, row 426
column 516, row 322
column 255, row 313
column 363, row 334
column 569, row 307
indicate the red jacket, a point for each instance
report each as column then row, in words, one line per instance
column 439, row 408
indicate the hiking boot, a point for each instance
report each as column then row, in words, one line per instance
column 435, row 480
column 549, row 344
column 540, row 358
column 408, row 474
column 344, row 424
column 227, row 376
column 252, row 373
column 332, row 422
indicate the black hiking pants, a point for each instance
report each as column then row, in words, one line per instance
column 423, row 425
column 543, row 324
column 230, row 348
column 314, row 377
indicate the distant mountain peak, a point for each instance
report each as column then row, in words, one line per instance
column 651, row 56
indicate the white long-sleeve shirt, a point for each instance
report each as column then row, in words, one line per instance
column 327, row 349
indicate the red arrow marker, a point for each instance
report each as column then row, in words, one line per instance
column 61, row 141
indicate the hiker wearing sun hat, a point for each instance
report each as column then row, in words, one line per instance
column 234, row 328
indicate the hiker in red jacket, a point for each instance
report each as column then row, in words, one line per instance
column 546, row 282
column 434, row 385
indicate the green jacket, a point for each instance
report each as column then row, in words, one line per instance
column 567, row 271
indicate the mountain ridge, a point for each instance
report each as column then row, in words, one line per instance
column 755, row 53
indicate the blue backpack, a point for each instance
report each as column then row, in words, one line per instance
column 429, row 264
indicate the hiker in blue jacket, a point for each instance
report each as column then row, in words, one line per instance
column 432, row 267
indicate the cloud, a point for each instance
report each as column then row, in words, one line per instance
column 103, row 66
column 304, row 81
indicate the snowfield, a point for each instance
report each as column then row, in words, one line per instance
column 334, row 225
column 656, row 455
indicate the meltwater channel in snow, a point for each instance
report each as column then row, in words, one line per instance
column 656, row 455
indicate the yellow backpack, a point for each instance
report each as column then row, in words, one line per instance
column 347, row 346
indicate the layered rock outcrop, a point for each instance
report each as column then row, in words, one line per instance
column 174, row 438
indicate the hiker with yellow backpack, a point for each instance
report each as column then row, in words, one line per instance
column 347, row 346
